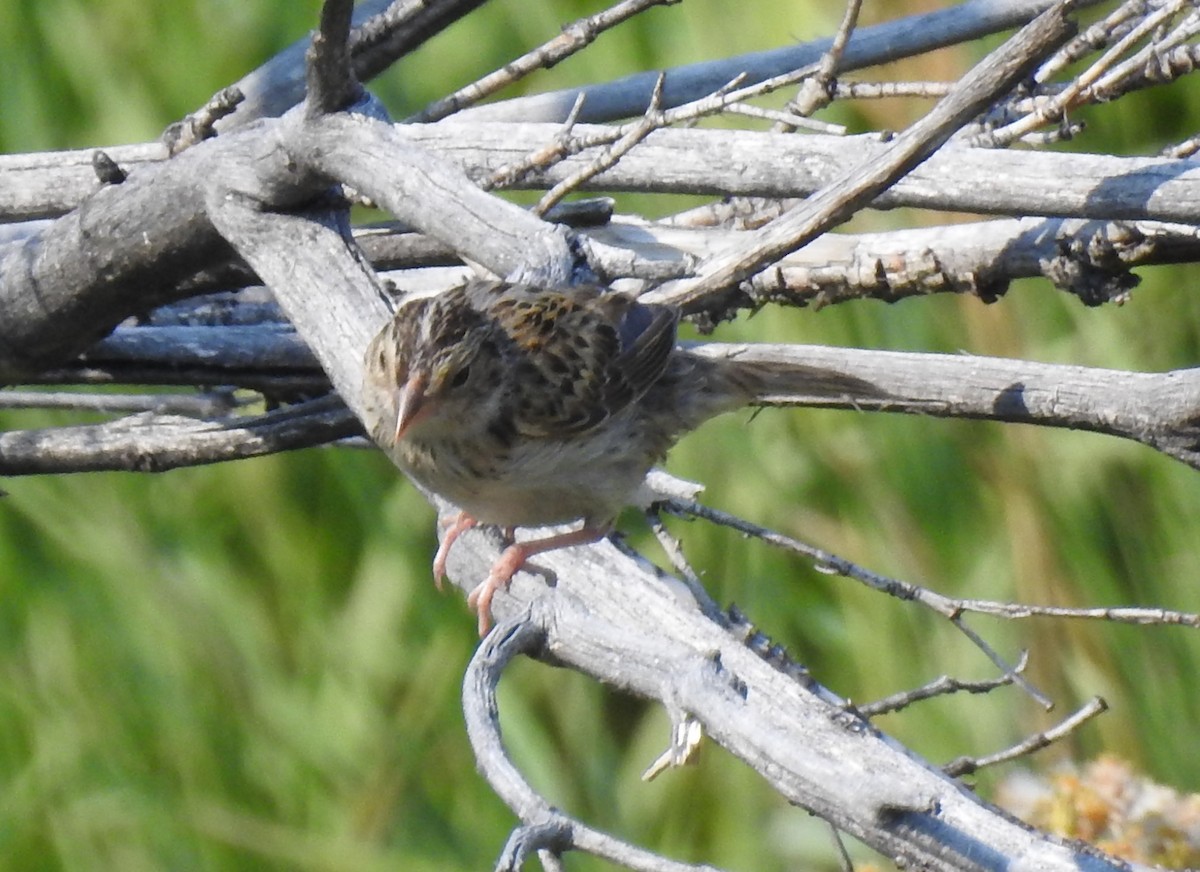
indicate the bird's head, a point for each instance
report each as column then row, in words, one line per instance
column 437, row 365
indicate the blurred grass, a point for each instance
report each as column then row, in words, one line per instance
column 246, row 667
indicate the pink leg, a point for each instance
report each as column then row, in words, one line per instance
column 513, row 558
column 460, row 525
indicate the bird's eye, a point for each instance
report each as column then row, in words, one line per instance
column 460, row 377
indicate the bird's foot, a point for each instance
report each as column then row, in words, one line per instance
column 513, row 558
column 480, row 599
column 461, row 524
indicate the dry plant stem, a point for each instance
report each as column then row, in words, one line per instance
column 673, row 548
column 201, row 124
column 402, row 27
column 652, row 121
column 869, row 46
column 312, row 383
column 560, row 147
column 883, row 90
column 574, row 38
column 1095, row 37
column 616, row 620
column 306, row 259
column 784, row 120
column 1184, row 149
column 376, row 158
column 132, row 246
column 330, row 85
column 206, row 405
column 994, row 76
column 968, row 765
column 845, row 864
column 728, row 162
column 1152, row 64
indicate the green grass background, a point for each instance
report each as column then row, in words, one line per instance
column 247, row 667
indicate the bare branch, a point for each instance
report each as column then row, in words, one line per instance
column 728, row 163
column 574, row 38
column 385, row 30
column 879, row 44
column 648, row 640
column 942, row 686
column 992, row 77
column 152, row 442
column 1073, row 94
column 543, row 826
column 207, row 405
column 1158, row 409
column 948, row 607
column 832, row 564
column 330, row 83
column 816, row 92
column 1038, row 741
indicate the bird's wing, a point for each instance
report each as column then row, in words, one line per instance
column 579, row 356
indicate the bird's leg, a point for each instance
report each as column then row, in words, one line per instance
column 458, row 526
column 513, row 558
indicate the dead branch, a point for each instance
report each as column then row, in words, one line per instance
column 267, row 201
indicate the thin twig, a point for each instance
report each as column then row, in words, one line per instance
column 870, row 46
column 653, row 120
column 968, row 765
column 832, row 564
column 816, row 91
column 560, row 147
column 942, row 686
column 948, row 607
column 574, row 38
column 884, row 90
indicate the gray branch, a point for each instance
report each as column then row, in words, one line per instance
column 155, row 442
column 867, row 47
column 263, row 193
column 958, row 178
column 1160, row 410
column 623, row 623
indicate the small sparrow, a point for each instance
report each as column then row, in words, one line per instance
column 529, row 407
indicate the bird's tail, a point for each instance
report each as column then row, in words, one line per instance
column 727, row 377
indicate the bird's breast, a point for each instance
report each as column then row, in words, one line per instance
column 532, row 481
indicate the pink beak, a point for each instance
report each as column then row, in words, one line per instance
column 410, row 404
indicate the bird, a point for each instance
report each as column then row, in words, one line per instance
column 530, row 407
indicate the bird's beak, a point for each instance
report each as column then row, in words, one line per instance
column 410, row 404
